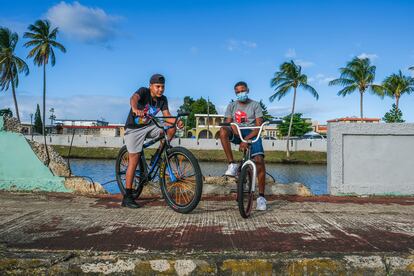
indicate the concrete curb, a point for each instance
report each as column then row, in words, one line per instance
column 139, row 263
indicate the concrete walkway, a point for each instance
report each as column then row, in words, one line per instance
column 296, row 233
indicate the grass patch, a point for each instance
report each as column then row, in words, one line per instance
column 299, row 157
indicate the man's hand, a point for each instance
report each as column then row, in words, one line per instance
column 138, row 113
column 243, row 146
column 180, row 124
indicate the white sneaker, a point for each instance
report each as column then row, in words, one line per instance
column 261, row 204
column 232, row 169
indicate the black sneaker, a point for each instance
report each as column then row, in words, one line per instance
column 129, row 202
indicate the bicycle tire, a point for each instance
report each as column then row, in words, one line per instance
column 245, row 191
column 121, row 160
column 167, row 188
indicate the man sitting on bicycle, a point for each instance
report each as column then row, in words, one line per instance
column 145, row 101
column 245, row 111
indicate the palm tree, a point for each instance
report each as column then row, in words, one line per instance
column 396, row 85
column 358, row 74
column 10, row 64
column 287, row 78
column 43, row 40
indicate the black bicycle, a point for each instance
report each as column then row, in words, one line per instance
column 179, row 173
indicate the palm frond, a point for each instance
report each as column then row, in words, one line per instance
column 347, row 90
column 341, row 81
column 280, row 93
column 377, row 90
column 52, row 56
column 58, row 45
column 310, row 89
column 43, row 40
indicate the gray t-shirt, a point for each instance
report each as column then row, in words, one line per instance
column 244, row 113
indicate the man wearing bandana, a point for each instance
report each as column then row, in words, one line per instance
column 146, row 101
column 245, row 112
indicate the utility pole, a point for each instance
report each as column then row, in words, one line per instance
column 185, row 127
column 208, row 117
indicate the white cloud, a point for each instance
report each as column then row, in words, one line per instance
column 304, row 63
column 86, row 24
column 240, row 45
column 370, row 56
column 112, row 109
column 320, row 79
column 291, row 53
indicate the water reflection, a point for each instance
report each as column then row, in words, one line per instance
column 313, row 176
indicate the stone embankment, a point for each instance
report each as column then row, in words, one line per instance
column 57, row 164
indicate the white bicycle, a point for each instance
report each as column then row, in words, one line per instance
column 246, row 184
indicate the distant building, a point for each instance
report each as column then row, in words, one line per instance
column 321, row 129
column 73, row 122
column 101, row 131
column 355, row 120
column 271, row 131
column 28, row 128
column 89, row 127
column 208, row 129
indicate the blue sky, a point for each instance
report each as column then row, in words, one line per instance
column 204, row 47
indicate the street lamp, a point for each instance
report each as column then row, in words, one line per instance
column 31, row 125
column 52, row 117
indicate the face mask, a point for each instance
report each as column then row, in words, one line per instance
column 242, row 96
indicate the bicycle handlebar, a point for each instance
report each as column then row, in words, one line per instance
column 154, row 118
column 247, row 127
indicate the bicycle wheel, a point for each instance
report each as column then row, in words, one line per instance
column 181, row 180
column 245, row 191
column 121, row 166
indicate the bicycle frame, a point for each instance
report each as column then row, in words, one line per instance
column 149, row 175
column 248, row 160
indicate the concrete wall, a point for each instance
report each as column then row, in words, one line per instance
column 370, row 158
column 205, row 144
column 21, row 169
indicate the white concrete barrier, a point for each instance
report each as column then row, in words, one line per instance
column 201, row 144
column 370, row 159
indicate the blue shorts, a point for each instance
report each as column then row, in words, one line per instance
column 256, row 147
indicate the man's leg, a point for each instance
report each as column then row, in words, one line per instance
column 128, row 200
column 134, row 139
column 159, row 132
column 261, row 173
column 258, row 156
column 170, row 133
column 133, row 159
column 225, row 134
column 225, row 142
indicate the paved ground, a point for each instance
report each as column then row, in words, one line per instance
column 307, row 225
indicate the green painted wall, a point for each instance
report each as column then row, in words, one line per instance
column 21, row 169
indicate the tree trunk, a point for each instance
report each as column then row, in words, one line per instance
column 44, row 112
column 362, row 104
column 397, row 100
column 15, row 99
column 290, row 124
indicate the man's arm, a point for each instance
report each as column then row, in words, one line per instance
column 253, row 134
column 229, row 120
column 134, row 103
column 171, row 121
